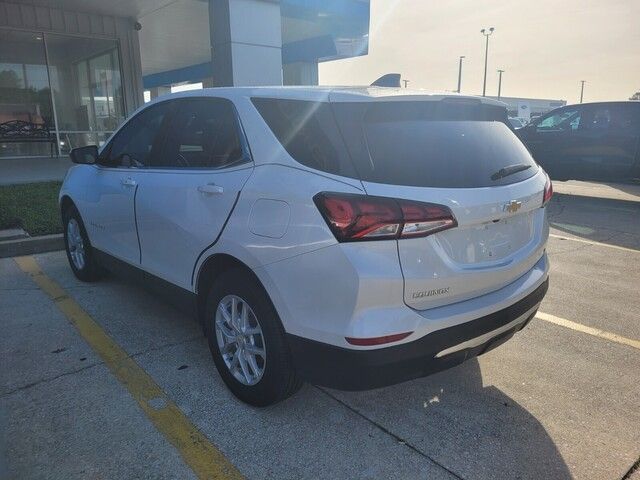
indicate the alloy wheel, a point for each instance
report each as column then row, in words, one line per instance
column 75, row 244
column 240, row 340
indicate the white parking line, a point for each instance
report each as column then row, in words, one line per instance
column 596, row 332
column 591, row 242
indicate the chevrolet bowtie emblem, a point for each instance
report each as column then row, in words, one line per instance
column 512, row 207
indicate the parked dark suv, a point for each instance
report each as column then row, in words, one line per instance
column 590, row 141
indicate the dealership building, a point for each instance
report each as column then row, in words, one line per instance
column 72, row 70
column 529, row 107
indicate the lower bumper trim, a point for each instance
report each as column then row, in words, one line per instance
column 347, row 369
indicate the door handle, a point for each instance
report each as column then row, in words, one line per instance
column 128, row 182
column 211, row 189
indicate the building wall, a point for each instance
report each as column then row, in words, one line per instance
column 526, row 107
column 54, row 20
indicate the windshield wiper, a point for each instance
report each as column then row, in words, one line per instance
column 509, row 170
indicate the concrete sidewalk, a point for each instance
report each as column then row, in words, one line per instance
column 33, row 169
column 629, row 192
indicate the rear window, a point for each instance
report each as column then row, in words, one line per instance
column 454, row 143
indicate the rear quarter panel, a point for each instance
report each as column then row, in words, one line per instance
column 297, row 228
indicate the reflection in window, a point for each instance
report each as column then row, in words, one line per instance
column 204, row 134
column 565, row 120
column 133, row 144
column 25, row 97
column 87, row 88
column 601, row 119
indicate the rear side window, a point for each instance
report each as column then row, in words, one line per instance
column 448, row 144
column 307, row 130
column 626, row 118
column 204, row 133
column 619, row 119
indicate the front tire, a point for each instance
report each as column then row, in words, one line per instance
column 79, row 252
column 247, row 341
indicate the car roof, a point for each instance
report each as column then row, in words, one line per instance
column 614, row 102
column 330, row 93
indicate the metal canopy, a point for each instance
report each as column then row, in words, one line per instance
column 175, row 43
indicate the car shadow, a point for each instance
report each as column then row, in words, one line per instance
column 475, row 431
column 614, row 222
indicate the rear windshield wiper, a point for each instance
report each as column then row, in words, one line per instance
column 509, row 170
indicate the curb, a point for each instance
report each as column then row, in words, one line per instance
column 29, row 246
column 617, row 192
column 632, row 203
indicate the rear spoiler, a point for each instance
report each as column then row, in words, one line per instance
column 388, row 80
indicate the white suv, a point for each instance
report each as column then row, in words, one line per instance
column 350, row 237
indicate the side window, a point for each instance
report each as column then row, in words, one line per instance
column 622, row 120
column 600, row 119
column 308, row 131
column 203, row 134
column 626, row 118
column 564, row 120
column 133, row 144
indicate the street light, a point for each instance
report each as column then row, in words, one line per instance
column 486, row 55
column 582, row 90
column 500, row 72
column 460, row 72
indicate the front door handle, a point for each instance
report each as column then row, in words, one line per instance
column 211, row 189
column 128, row 182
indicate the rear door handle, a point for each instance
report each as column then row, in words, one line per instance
column 211, row 189
column 128, row 182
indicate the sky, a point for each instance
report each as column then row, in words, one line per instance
column 545, row 47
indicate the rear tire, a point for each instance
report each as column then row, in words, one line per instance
column 79, row 252
column 249, row 348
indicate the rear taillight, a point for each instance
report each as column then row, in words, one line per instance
column 548, row 191
column 353, row 217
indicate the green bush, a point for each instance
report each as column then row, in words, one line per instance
column 32, row 206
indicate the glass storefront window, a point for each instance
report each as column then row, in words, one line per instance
column 27, row 126
column 87, row 88
column 59, row 89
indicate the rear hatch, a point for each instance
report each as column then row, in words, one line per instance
column 457, row 152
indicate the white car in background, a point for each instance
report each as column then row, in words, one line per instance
column 349, row 237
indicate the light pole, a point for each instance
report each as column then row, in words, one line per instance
column 460, row 72
column 582, row 90
column 405, row 83
column 486, row 55
column 500, row 72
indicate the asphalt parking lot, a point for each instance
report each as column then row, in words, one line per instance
column 560, row 400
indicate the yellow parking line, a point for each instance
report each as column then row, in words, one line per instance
column 591, row 242
column 596, row 332
column 206, row 461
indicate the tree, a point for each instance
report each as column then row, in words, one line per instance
column 9, row 79
column 635, row 96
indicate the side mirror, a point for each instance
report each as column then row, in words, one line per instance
column 85, row 155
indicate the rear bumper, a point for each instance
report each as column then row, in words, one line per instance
column 347, row 369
